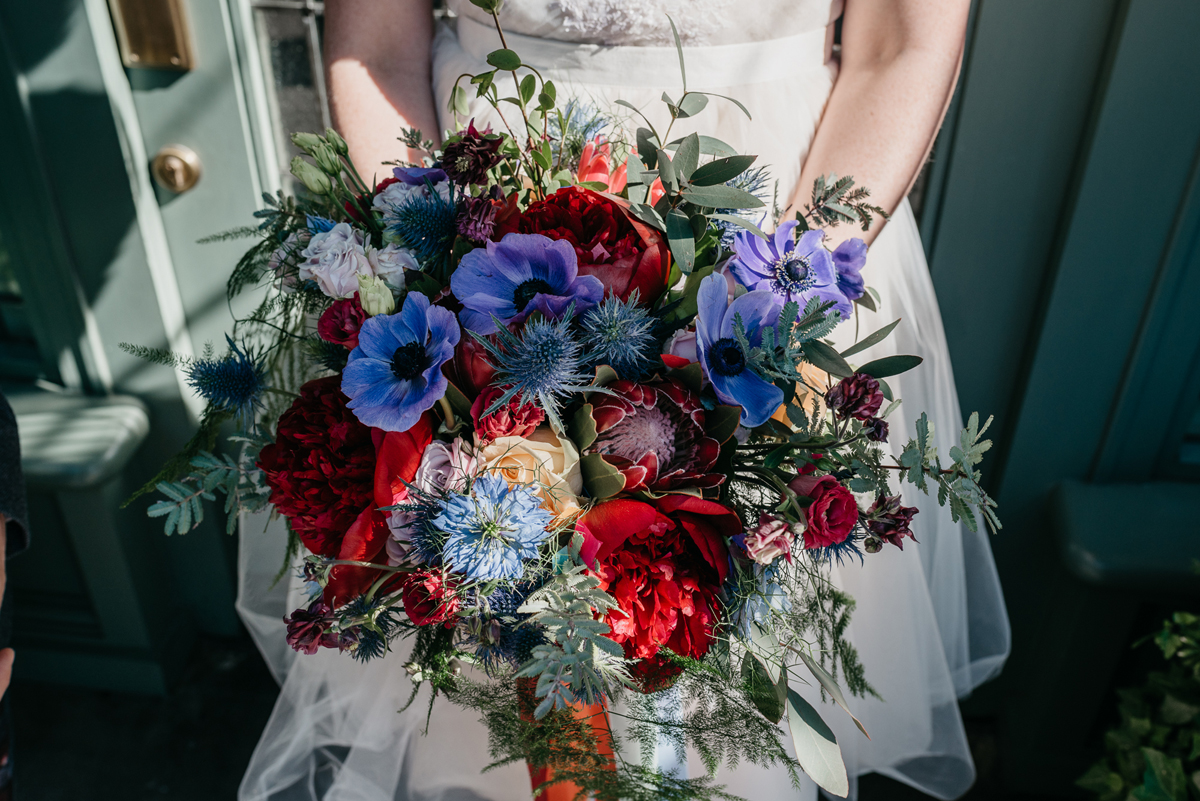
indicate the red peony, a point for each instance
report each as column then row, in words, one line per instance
column 429, row 599
column 339, row 324
column 513, row 419
column 832, row 513
column 321, row 466
column 664, row 562
column 624, row 253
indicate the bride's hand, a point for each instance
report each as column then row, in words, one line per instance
column 378, row 73
column 899, row 62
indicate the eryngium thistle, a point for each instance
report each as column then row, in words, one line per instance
column 542, row 365
column 580, row 123
column 425, row 224
column 620, row 335
column 234, row 383
column 755, row 181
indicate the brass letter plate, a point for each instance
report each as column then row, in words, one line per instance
column 153, row 33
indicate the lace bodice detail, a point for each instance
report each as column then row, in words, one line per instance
column 644, row 22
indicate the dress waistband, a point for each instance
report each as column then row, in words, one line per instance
column 707, row 66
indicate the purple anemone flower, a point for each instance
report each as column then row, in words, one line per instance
column 721, row 357
column 849, row 258
column 792, row 270
column 417, row 176
column 518, row 275
column 395, row 373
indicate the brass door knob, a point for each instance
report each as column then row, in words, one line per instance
column 176, row 168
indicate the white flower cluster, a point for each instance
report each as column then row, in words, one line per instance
column 336, row 258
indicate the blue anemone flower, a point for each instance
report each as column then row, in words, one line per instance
column 233, row 383
column 493, row 530
column 793, row 270
column 722, row 358
column 520, row 274
column 395, row 373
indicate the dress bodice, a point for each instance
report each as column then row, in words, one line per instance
column 645, row 22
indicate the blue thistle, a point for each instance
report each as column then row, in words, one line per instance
column 621, row 335
column 319, row 225
column 425, row 223
column 427, row 539
column 756, row 181
column 842, row 551
column 542, row 365
column 504, row 636
column 580, row 123
column 368, row 641
column 234, row 383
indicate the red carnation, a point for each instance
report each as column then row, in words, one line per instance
column 624, row 253
column 321, row 466
column 664, row 562
column 339, row 324
column 513, row 419
column 429, row 598
column 832, row 513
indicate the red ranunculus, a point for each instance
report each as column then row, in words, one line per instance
column 624, row 253
column 832, row 513
column 429, row 598
column 340, row 323
column 664, row 562
column 321, row 466
column 513, row 419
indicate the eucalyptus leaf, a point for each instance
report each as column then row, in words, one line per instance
column 732, row 100
column 458, row 102
column 721, row 422
column 709, row 146
column 817, row 750
column 872, row 339
column 691, row 104
column 687, row 157
column 769, row 697
column 831, row 686
column 720, row 197
column 601, row 479
column 765, row 646
column 583, row 427
column 890, row 365
column 528, row 87
column 736, row 220
column 504, row 59
column 647, row 145
column 825, row 357
column 718, row 171
column 679, row 50
column 648, row 215
column 666, row 172
column 680, row 238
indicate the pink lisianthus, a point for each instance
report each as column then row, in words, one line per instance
column 769, row 540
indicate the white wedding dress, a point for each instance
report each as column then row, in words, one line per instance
column 930, row 624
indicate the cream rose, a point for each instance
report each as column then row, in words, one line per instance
column 541, row 459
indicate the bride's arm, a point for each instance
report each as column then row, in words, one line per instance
column 900, row 60
column 378, row 73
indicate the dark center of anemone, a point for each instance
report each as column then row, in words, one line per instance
column 792, row 272
column 725, row 357
column 409, row 361
column 526, row 291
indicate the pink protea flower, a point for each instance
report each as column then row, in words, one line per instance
column 654, row 434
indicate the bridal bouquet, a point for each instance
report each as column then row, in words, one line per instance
column 554, row 406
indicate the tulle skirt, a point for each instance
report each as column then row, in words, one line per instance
column 930, row 624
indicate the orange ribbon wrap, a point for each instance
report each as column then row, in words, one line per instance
column 595, row 716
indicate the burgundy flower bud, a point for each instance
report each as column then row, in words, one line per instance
column 876, row 429
column 340, row 323
column 858, row 396
column 476, row 219
column 468, row 159
column 872, row 544
column 308, row 629
column 890, row 521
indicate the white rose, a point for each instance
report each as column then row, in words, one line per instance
column 542, row 460
column 390, row 264
column 335, row 259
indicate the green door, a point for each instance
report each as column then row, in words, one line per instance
column 95, row 252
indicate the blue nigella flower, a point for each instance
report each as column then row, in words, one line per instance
column 234, row 383
column 395, row 373
column 542, row 365
column 795, row 271
column 621, row 335
column 765, row 601
column 319, row 225
column 522, row 273
column 493, row 530
column 722, row 358
column 849, row 258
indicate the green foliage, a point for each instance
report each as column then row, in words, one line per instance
column 837, row 200
column 1154, row 753
column 957, row 484
column 238, row 479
